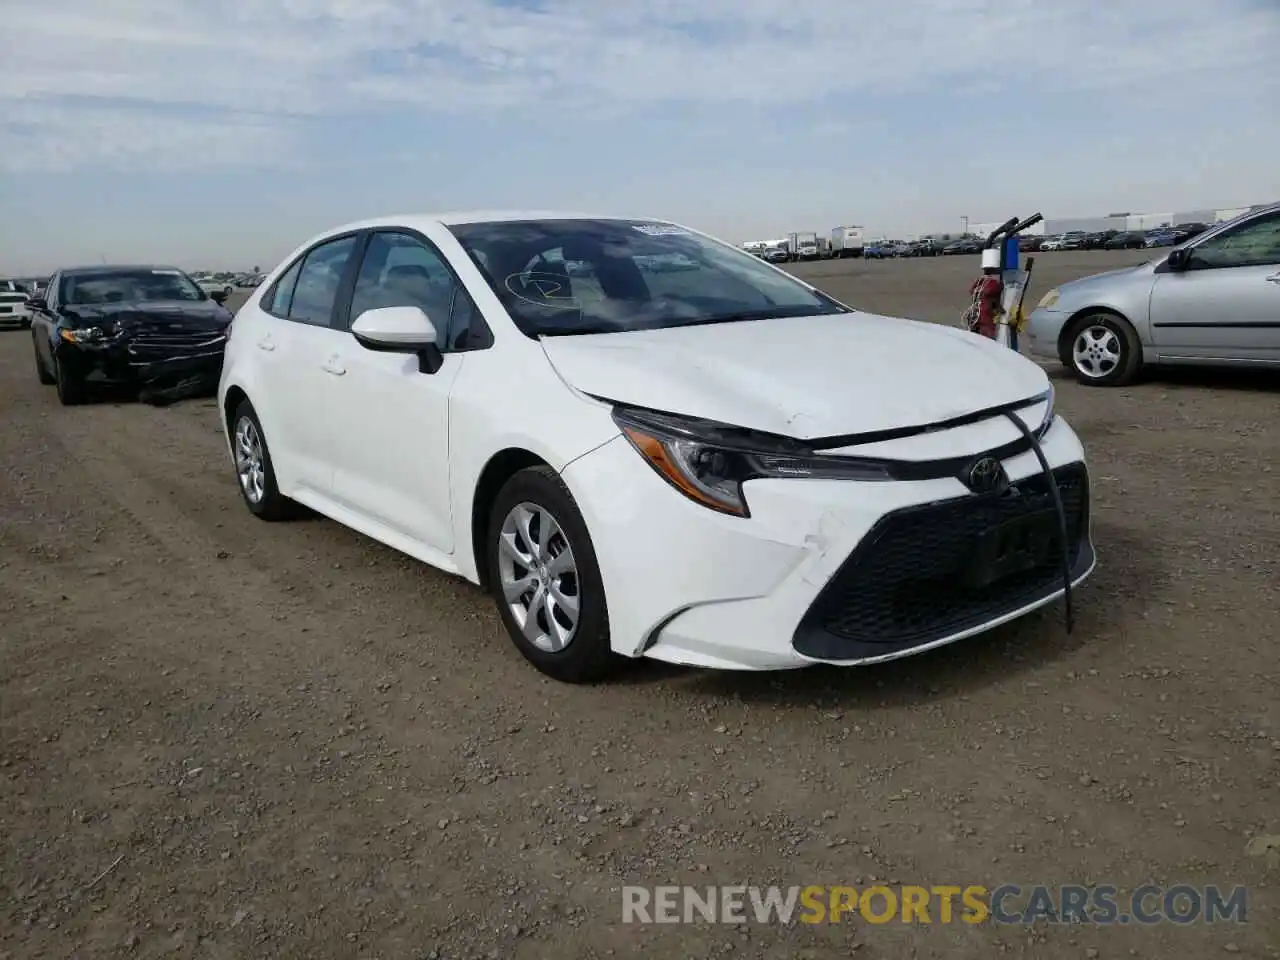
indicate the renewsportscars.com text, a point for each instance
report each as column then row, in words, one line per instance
column 1004, row 904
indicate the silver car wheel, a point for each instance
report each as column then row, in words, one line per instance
column 250, row 462
column 539, row 577
column 1096, row 351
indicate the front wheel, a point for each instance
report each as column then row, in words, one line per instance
column 1104, row 351
column 545, row 578
column 71, row 388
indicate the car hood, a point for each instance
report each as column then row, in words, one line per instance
column 1140, row 269
column 806, row 378
column 176, row 315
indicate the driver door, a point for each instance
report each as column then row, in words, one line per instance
column 1226, row 304
column 389, row 422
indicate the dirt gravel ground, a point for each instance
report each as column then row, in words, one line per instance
column 228, row 739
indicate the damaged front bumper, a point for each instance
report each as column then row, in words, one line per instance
column 691, row 586
column 157, row 364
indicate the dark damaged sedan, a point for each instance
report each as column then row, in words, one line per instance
column 149, row 327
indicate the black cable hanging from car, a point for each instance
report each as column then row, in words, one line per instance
column 1061, row 510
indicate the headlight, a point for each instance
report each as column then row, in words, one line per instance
column 1048, row 300
column 1050, row 414
column 709, row 462
column 84, row 334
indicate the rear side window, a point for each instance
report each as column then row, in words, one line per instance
column 318, row 281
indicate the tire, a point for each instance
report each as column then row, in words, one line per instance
column 1103, row 350
column 527, row 501
column 71, row 389
column 257, row 485
column 42, row 373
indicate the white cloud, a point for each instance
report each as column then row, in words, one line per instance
column 43, row 137
column 279, row 59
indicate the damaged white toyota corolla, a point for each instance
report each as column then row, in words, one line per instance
column 646, row 442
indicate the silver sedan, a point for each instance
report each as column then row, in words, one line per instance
column 1214, row 299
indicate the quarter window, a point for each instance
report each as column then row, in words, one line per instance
column 281, row 295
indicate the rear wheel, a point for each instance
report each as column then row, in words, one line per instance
column 1104, row 351
column 254, row 471
column 545, row 579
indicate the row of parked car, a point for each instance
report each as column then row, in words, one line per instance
column 227, row 283
column 924, row 247
column 1165, row 236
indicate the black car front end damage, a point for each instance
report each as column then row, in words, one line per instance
column 166, row 351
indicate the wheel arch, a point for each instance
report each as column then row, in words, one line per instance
column 500, row 468
column 235, row 396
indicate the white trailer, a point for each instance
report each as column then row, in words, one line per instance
column 803, row 246
column 847, row 241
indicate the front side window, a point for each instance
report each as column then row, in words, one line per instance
column 563, row 277
column 128, row 286
column 318, row 281
column 398, row 270
column 1251, row 244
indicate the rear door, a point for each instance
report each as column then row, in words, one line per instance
column 1226, row 304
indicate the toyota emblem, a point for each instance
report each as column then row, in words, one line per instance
column 987, row 476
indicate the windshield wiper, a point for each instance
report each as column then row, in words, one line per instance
column 747, row 315
column 569, row 331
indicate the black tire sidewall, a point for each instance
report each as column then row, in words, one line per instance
column 273, row 505
column 589, row 656
column 42, row 372
column 70, row 389
column 1130, row 350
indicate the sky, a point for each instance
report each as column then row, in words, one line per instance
column 220, row 134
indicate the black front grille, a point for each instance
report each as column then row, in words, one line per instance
column 177, row 339
column 150, row 346
column 909, row 581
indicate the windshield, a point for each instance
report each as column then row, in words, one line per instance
column 558, row 277
column 128, row 286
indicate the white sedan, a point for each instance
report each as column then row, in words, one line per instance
column 211, row 286
column 717, row 466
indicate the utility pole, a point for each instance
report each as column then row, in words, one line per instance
column 965, row 222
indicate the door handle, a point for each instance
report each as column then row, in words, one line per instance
column 266, row 343
column 334, row 366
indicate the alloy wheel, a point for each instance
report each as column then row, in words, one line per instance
column 250, row 462
column 1096, row 351
column 539, row 577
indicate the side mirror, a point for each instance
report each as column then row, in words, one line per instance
column 400, row 330
column 1179, row 259
column 218, row 296
column 37, row 303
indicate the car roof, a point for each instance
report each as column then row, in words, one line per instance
column 457, row 217
column 102, row 269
